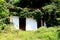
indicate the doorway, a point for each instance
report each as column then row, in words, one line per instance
column 22, row 23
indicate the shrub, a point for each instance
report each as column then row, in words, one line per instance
column 43, row 33
column 4, row 28
column 47, row 33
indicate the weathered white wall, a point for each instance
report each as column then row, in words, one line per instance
column 15, row 21
column 31, row 24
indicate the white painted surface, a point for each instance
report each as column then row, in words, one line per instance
column 15, row 21
column 31, row 24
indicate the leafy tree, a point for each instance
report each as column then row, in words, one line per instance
column 4, row 12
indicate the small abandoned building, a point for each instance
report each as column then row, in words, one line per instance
column 28, row 23
column 24, row 23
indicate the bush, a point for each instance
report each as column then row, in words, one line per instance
column 43, row 33
column 4, row 28
column 47, row 33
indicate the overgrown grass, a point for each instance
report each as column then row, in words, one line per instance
column 43, row 33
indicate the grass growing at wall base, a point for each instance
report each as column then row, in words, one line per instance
column 43, row 33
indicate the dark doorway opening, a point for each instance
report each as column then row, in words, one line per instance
column 22, row 23
column 40, row 22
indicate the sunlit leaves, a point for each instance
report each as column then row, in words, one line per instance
column 14, row 1
column 1, row 1
column 4, row 12
column 50, row 7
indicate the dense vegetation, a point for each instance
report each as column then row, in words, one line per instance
column 49, row 11
column 35, row 8
column 43, row 33
column 38, row 9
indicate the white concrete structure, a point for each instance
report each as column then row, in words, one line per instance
column 31, row 24
column 15, row 21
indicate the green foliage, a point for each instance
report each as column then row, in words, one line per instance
column 14, row 1
column 4, row 11
column 1, row 1
column 26, row 13
column 47, row 33
column 43, row 33
column 48, row 13
column 59, row 34
column 55, row 0
column 4, row 28
column 51, row 11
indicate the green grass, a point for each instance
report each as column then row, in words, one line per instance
column 43, row 33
